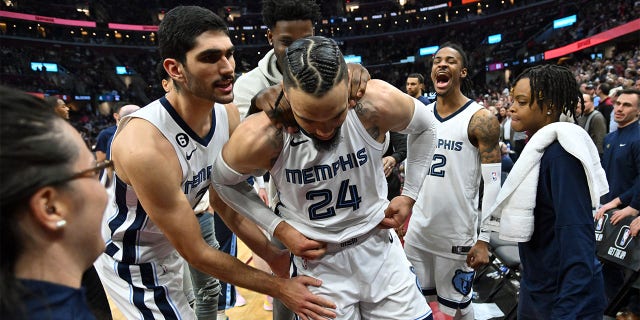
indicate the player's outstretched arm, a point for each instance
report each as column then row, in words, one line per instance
column 484, row 131
column 393, row 110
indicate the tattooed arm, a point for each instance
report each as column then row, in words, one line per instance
column 484, row 133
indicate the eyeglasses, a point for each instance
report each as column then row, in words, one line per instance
column 90, row 173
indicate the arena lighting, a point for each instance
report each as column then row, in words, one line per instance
column 495, row 38
column 564, row 22
column 353, row 58
column 428, row 50
column 132, row 27
column 594, row 40
column 43, row 19
column 123, row 70
column 44, row 66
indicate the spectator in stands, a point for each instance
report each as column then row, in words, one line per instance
column 506, row 161
column 593, row 122
column 59, row 106
column 415, row 88
column 391, row 160
column 51, row 205
column 605, row 106
column 103, row 144
column 621, row 162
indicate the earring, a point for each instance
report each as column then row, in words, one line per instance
column 549, row 112
column 61, row 223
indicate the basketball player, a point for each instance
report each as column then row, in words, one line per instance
column 164, row 155
column 331, row 181
column 441, row 236
column 287, row 21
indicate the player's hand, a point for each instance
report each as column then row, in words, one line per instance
column 397, row 212
column 478, row 256
column 606, row 207
column 280, row 114
column 388, row 163
column 635, row 226
column 298, row 243
column 358, row 78
column 262, row 193
column 623, row 213
column 297, row 297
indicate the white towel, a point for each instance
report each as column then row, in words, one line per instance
column 515, row 213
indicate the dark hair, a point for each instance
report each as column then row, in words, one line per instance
column 605, row 88
column 161, row 72
column 630, row 91
column 417, row 75
column 289, row 10
column 181, row 26
column 52, row 101
column 34, row 152
column 466, row 85
column 555, row 86
column 314, row 64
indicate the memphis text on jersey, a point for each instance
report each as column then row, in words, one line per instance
column 327, row 171
column 203, row 175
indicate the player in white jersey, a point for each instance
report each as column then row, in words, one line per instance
column 442, row 238
column 163, row 159
column 331, row 180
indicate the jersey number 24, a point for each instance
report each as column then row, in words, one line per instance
column 322, row 210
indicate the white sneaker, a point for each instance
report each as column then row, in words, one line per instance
column 240, row 300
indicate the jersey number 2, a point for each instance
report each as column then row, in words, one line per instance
column 438, row 162
column 316, row 210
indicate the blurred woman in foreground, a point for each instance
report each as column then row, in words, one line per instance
column 51, row 205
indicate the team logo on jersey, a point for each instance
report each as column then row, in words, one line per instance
column 182, row 139
column 190, row 154
column 297, row 143
column 462, row 281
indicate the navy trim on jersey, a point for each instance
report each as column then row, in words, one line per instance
column 435, row 112
column 137, row 294
column 121, row 215
column 453, row 304
column 130, row 236
column 185, row 127
column 160, row 295
column 429, row 292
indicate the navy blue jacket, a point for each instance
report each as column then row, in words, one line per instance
column 561, row 277
column 621, row 163
column 50, row 301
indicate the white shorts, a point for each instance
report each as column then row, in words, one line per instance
column 449, row 279
column 146, row 291
column 368, row 279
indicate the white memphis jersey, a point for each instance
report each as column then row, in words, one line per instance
column 130, row 235
column 332, row 195
column 446, row 212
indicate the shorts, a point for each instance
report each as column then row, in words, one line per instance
column 368, row 279
column 449, row 279
column 152, row 290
